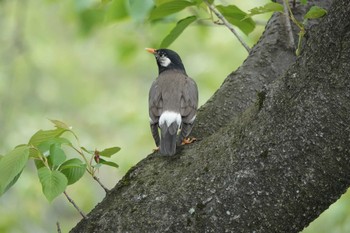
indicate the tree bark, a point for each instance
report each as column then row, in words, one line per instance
column 274, row 150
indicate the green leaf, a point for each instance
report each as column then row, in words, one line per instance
column 90, row 18
column 200, row 2
column 209, row 1
column 73, row 169
column 59, row 141
column 53, row 182
column 71, row 163
column 39, row 164
column 160, row 2
column 11, row 165
column 304, row 2
column 315, row 12
column 139, row 9
column 45, row 135
column 169, row 8
column 45, row 146
column 60, row 124
column 109, row 151
column 108, row 163
column 13, row 181
column 237, row 17
column 34, row 153
column 57, row 155
column 177, row 30
column 88, row 151
column 116, row 11
column 269, row 7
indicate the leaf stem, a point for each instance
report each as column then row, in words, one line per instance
column 82, row 155
column 291, row 43
column 89, row 168
column 227, row 24
column 99, row 182
column 299, row 25
column 75, row 206
column 41, row 157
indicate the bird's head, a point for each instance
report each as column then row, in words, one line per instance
column 167, row 59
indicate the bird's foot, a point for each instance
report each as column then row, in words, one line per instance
column 156, row 149
column 188, row 141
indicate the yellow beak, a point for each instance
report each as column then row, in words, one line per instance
column 150, row 50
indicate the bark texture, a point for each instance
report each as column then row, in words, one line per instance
column 274, row 150
column 268, row 60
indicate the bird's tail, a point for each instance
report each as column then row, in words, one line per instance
column 169, row 123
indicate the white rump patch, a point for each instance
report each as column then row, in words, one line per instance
column 169, row 117
column 164, row 61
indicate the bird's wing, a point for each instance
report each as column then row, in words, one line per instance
column 155, row 102
column 189, row 100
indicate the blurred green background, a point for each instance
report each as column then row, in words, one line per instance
column 55, row 63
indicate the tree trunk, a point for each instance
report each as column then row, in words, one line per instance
column 274, row 149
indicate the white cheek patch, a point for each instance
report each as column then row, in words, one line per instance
column 164, row 61
column 169, row 117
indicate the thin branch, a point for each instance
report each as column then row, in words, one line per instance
column 227, row 24
column 99, row 182
column 299, row 25
column 89, row 168
column 75, row 206
column 291, row 43
column 58, row 227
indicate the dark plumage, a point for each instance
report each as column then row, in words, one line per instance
column 173, row 101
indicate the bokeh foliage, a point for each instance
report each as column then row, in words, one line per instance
column 83, row 62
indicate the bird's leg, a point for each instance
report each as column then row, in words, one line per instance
column 185, row 131
column 155, row 134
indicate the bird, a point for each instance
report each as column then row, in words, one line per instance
column 173, row 102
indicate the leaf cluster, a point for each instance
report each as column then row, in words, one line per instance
column 163, row 11
column 55, row 170
column 197, row 11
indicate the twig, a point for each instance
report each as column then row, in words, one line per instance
column 227, row 24
column 291, row 43
column 298, row 24
column 89, row 169
column 58, row 227
column 99, row 182
column 75, row 206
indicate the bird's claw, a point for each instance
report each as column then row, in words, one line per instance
column 188, row 141
column 155, row 149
